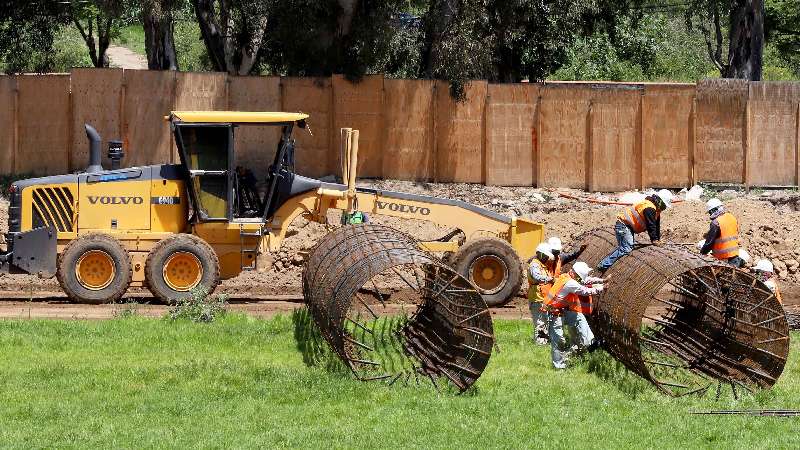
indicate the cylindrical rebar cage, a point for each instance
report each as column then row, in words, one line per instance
column 685, row 322
column 346, row 283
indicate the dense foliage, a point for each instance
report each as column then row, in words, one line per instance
column 456, row 40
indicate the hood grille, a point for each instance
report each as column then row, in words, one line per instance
column 53, row 206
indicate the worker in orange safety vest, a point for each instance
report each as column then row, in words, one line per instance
column 722, row 237
column 540, row 279
column 567, row 302
column 635, row 219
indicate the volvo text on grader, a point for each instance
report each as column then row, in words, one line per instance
column 177, row 227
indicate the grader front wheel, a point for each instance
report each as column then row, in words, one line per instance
column 179, row 264
column 94, row 268
column 493, row 266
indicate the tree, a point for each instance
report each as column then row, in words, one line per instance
column 783, row 30
column 159, row 33
column 233, row 31
column 27, row 33
column 745, row 24
column 95, row 20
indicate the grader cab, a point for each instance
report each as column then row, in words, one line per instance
column 178, row 227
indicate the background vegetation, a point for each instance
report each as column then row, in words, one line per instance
column 456, row 40
column 241, row 382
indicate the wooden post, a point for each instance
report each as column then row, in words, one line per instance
column 639, row 144
column 746, row 142
column 537, row 132
column 797, row 148
column 589, row 176
column 15, row 125
column 434, row 121
column 70, row 126
column 484, row 137
column 693, row 142
column 123, row 127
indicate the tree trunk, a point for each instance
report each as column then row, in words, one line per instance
column 746, row 40
column 210, row 30
column 159, row 39
column 437, row 21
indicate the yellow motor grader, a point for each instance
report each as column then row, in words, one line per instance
column 177, row 227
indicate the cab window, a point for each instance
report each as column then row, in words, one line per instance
column 205, row 151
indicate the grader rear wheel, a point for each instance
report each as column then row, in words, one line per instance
column 180, row 264
column 94, row 268
column 493, row 266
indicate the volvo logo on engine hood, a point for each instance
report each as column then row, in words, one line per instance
column 109, row 200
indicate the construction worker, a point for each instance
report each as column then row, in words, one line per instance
column 560, row 259
column 635, row 219
column 540, row 278
column 722, row 237
column 566, row 302
column 766, row 273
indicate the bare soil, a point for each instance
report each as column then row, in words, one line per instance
column 769, row 221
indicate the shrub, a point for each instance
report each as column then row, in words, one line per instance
column 198, row 307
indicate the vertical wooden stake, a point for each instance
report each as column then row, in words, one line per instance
column 123, row 126
column 434, row 122
column 537, row 136
column 484, row 138
column 797, row 148
column 589, row 163
column 746, row 139
column 639, row 144
column 15, row 125
column 70, row 125
column 693, row 142
column 174, row 90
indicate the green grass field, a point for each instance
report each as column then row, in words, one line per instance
column 242, row 382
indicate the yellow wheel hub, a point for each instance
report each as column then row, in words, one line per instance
column 489, row 273
column 183, row 271
column 95, row 270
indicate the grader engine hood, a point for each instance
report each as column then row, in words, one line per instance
column 44, row 210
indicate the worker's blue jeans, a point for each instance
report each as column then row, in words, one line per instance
column 624, row 245
column 558, row 345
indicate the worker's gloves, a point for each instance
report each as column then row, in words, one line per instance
column 598, row 287
column 700, row 244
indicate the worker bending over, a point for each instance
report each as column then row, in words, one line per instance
column 568, row 300
column 560, row 259
column 635, row 219
column 766, row 273
column 540, row 279
column 722, row 237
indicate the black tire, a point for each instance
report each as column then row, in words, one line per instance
column 498, row 252
column 181, row 243
column 83, row 247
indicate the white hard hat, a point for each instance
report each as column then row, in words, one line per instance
column 666, row 196
column 743, row 255
column 544, row 248
column 713, row 204
column 764, row 265
column 555, row 243
column 581, row 269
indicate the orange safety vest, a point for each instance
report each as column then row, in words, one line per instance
column 572, row 301
column 537, row 291
column 633, row 216
column 773, row 286
column 727, row 244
